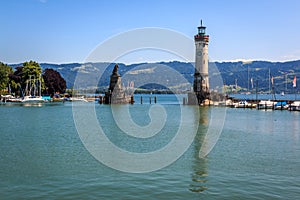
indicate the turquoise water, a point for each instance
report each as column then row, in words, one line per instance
column 257, row 156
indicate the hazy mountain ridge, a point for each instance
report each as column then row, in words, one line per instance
column 260, row 71
column 231, row 72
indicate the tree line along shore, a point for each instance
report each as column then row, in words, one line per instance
column 16, row 81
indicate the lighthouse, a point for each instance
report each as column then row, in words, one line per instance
column 201, row 81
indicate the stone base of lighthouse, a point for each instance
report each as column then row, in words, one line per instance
column 199, row 98
column 206, row 99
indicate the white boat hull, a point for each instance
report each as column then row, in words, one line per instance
column 295, row 106
column 32, row 99
column 266, row 105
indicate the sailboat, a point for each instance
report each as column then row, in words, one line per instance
column 32, row 95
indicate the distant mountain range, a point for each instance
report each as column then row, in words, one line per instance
column 243, row 74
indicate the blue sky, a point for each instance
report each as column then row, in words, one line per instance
column 64, row 31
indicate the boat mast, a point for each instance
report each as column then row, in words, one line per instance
column 26, row 89
column 269, row 80
column 248, row 79
column 285, row 82
column 34, row 87
column 29, row 86
column 273, row 89
column 256, row 89
column 40, row 89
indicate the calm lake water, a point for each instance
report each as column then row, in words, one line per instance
column 257, row 155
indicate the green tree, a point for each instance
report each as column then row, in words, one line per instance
column 5, row 71
column 31, row 69
column 20, row 78
column 15, row 80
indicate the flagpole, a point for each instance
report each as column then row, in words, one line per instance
column 286, row 83
column 256, row 88
column 273, row 89
column 295, row 93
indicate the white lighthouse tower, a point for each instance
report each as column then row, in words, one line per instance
column 201, row 81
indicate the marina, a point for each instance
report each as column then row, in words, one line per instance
column 263, row 102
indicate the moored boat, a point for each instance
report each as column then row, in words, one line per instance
column 33, row 91
column 229, row 103
column 282, row 105
column 266, row 104
column 32, row 99
column 10, row 98
column 76, row 99
column 241, row 104
column 295, row 106
column 244, row 104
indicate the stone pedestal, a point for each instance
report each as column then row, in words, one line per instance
column 116, row 94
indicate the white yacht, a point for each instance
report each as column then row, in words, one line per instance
column 76, row 99
column 32, row 99
column 266, row 104
column 33, row 91
column 295, row 106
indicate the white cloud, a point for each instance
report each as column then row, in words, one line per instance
column 142, row 71
column 245, row 61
